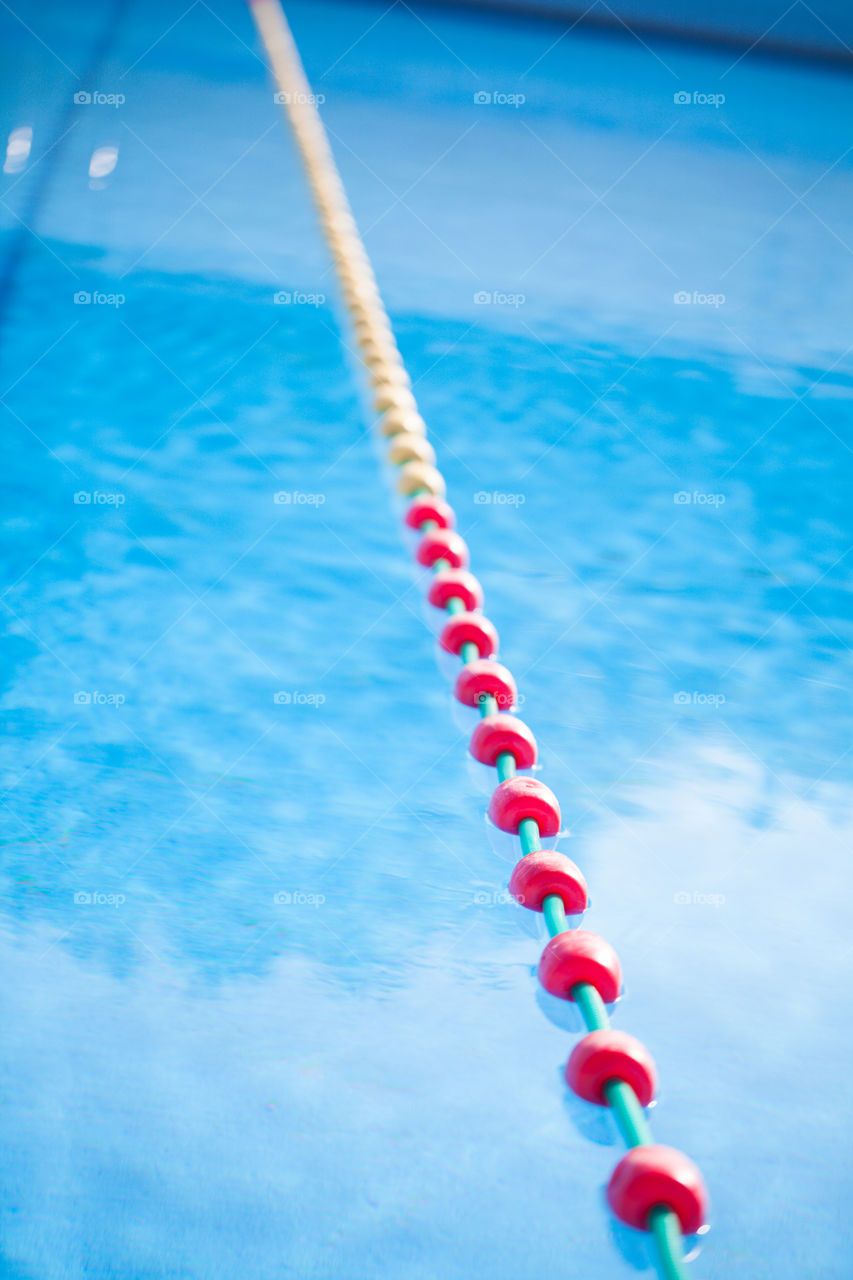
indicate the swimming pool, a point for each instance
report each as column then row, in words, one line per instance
column 217, row 702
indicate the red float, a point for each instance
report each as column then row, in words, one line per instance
column 611, row 1055
column 544, row 872
column 469, row 628
column 429, row 507
column 481, row 677
column 578, row 956
column 648, row 1177
column 519, row 798
column 496, row 734
column 442, row 544
column 458, row 583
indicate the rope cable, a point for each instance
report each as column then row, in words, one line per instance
column 391, row 385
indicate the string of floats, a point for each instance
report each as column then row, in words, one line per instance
column 653, row 1188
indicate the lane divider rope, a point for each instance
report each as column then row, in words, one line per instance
column 653, row 1188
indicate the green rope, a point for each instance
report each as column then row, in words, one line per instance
column 555, row 914
column 669, row 1242
column 591, row 1005
column 505, row 766
column 623, row 1102
column 635, row 1131
column 630, row 1116
column 627, row 1112
column 334, row 207
column 528, row 834
column 488, row 706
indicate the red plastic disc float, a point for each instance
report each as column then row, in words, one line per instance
column 459, row 583
column 611, row 1055
column 469, row 628
column 496, row 734
column 519, row 798
column 544, row 872
column 442, row 544
column 578, row 956
column 651, row 1176
column 483, row 677
column 429, row 507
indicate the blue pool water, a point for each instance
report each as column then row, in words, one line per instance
column 266, row 1010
